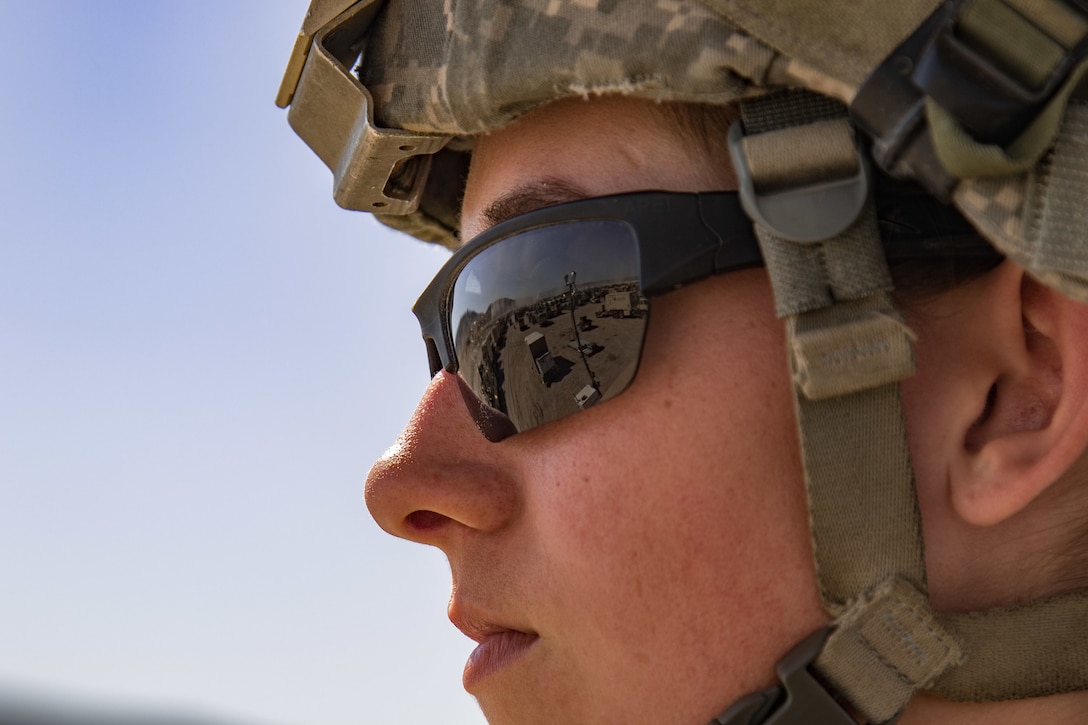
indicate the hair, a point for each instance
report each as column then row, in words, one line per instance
column 1070, row 565
column 704, row 125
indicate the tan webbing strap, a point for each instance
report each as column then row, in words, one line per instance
column 863, row 514
column 884, row 648
column 848, row 350
column 848, row 269
column 864, row 520
column 1033, row 650
column 802, row 155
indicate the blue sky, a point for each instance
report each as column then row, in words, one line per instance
column 200, row 355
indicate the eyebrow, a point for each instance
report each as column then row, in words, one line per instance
column 534, row 195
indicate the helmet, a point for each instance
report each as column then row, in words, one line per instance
column 976, row 101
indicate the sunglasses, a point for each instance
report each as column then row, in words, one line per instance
column 545, row 314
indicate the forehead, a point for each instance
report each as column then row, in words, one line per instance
column 591, row 147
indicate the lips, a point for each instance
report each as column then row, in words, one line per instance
column 495, row 651
column 499, row 645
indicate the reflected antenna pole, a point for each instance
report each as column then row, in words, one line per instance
column 568, row 279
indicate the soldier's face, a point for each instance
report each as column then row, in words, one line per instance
column 646, row 560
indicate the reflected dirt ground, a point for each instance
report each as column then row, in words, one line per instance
column 503, row 358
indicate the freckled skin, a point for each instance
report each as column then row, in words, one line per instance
column 657, row 543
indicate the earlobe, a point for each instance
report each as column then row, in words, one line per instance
column 1033, row 425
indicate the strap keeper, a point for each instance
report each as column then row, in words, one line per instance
column 850, row 347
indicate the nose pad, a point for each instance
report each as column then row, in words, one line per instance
column 493, row 424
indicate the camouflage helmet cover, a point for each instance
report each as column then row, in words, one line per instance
column 464, row 67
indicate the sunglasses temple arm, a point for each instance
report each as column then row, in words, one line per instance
column 727, row 243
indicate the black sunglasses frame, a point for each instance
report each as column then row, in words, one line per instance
column 682, row 238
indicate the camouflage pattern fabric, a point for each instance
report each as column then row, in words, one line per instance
column 1037, row 218
column 843, row 40
column 465, row 67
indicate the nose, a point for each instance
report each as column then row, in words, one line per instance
column 445, row 474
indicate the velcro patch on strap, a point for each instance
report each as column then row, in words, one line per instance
column 848, row 350
column 884, row 648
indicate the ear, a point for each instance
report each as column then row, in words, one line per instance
column 1031, row 358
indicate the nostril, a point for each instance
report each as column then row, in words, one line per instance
column 425, row 520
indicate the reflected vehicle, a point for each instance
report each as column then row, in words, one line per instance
column 542, row 357
column 587, row 397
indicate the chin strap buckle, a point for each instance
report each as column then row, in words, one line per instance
column 992, row 67
column 883, row 648
column 800, row 700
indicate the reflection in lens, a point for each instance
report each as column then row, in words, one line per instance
column 550, row 321
column 591, row 393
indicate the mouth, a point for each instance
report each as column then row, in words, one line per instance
column 496, row 651
column 498, row 645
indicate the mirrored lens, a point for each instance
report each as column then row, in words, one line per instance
column 550, row 321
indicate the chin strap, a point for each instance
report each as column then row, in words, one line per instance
column 849, row 348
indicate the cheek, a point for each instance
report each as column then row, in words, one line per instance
column 675, row 519
column 705, row 430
